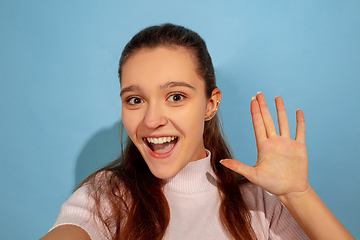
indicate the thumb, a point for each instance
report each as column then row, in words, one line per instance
column 239, row 167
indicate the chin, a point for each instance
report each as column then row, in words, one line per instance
column 163, row 176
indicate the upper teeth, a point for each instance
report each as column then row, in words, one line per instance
column 160, row 140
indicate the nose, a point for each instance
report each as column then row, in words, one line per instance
column 155, row 116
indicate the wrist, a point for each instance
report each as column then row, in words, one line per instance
column 296, row 199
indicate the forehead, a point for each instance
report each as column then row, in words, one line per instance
column 160, row 65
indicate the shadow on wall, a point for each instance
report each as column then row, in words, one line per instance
column 104, row 146
column 101, row 149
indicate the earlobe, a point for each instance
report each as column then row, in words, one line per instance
column 213, row 104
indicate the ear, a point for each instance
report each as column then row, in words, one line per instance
column 213, row 104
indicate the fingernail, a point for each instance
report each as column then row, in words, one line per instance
column 258, row 93
column 253, row 98
column 221, row 160
column 277, row 96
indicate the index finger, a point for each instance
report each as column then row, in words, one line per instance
column 258, row 123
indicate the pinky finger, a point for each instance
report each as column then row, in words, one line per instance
column 300, row 126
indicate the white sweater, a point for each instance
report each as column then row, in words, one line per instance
column 194, row 209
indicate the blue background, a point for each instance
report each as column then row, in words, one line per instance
column 59, row 92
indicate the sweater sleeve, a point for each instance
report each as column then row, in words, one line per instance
column 270, row 218
column 78, row 211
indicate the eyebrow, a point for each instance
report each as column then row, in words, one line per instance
column 176, row 84
column 131, row 88
column 135, row 87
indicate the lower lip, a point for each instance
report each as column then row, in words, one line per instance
column 165, row 155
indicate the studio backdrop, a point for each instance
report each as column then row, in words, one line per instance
column 59, row 91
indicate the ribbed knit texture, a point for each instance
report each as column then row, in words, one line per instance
column 189, row 181
column 194, row 207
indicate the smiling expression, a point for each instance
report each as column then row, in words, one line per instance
column 163, row 108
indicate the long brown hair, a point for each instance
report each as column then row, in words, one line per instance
column 136, row 207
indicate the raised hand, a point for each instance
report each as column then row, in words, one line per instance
column 282, row 163
column 282, row 169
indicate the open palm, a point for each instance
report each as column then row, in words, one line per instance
column 282, row 164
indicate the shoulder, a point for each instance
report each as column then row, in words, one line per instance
column 91, row 204
column 80, row 211
column 259, row 200
column 270, row 218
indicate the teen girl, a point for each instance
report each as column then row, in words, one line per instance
column 175, row 178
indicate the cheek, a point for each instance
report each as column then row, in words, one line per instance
column 131, row 122
column 190, row 119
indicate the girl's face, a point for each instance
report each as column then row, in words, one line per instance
column 163, row 108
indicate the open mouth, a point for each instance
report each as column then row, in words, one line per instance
column 161, row 145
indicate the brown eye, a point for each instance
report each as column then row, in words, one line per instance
column 134, row 100
column 176, row 97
